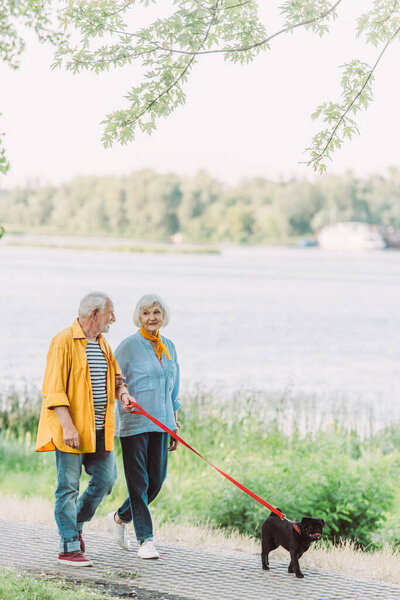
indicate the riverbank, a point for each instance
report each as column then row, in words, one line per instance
column 106, row 244
column 294, row 459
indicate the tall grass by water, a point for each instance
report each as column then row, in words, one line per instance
column 334, row 464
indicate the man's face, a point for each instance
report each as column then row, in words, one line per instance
column 106, row 318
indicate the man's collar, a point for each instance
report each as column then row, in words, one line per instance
column 77, row 332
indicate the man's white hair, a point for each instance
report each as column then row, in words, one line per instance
column 147, row 301
column 92, row 301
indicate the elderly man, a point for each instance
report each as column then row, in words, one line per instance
column 81, row 382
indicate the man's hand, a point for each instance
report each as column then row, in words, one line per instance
column 71, row 436
column 70, row 433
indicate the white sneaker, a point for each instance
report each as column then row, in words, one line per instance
column 120, row 533
column 148, row 550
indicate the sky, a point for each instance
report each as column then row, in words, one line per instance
column 238, row 122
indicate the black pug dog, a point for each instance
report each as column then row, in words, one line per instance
column 294, row 537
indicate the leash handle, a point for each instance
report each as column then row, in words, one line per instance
column 140, row 411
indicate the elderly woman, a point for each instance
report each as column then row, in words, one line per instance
column 151, row 368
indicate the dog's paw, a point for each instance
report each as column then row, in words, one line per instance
column 299, row 575
column 265, row 567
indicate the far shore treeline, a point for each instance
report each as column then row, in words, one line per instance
column 154, row 206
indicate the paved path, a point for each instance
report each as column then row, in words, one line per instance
column 181, row 572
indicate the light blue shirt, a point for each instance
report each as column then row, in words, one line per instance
column 154, row 387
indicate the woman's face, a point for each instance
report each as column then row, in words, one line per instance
column 151, row 319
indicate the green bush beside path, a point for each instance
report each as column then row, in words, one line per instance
column 348, row 479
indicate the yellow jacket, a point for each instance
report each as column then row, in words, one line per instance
column 67, row 383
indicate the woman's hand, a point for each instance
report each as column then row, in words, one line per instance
column 128, row 402
column 173, row 443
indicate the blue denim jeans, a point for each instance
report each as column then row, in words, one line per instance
column 70, row 511
column 145, row 463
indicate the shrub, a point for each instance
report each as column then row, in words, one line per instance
column 350, row 494
column 278, row 450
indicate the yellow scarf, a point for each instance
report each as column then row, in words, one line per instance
column 156, row 338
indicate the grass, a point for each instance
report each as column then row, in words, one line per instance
column 297, row 461
column 20, row 586
column 336, row 464
column 112, row 574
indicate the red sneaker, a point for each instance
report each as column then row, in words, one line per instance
column 74, row 559
column 81, row 541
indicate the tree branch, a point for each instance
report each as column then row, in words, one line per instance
column 120, row 9
column 389, row 15
column 105, row 61
column 317, row 158
column 226, row 7
column 158, row 46
column 176, row 81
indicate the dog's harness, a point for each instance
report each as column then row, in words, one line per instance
column 295, row 526
column 138, row 410
column 314, row 536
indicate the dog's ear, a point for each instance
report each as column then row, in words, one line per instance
column 322, row 522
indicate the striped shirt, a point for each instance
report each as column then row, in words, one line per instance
column 98, row 375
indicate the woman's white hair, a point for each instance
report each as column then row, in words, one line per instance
column 92, row 301
column 147, row 301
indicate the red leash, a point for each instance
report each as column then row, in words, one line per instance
column 139, row 410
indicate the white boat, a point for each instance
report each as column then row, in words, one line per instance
column 350, row 236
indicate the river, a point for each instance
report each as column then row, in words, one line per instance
column 270, row 319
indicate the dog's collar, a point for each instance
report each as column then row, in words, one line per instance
column 296, row 527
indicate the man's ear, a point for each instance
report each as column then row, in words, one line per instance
column 95, row 312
